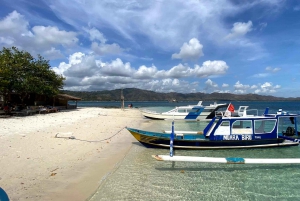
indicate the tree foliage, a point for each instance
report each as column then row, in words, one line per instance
column 22, row 74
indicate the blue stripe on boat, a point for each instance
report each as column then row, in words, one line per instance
column 235, row 160
column 194, row 115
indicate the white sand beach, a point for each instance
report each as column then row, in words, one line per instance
column 40, row 162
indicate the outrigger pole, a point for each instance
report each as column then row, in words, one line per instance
column 227, row 160
column 172, row 140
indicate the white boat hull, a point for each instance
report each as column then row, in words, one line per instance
column 161, row 116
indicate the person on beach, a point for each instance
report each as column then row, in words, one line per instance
column 6, row 109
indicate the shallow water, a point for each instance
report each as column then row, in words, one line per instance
column 140, row 177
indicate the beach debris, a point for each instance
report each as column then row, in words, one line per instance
column 54, row 170
column 65, row 135
column 53, row 174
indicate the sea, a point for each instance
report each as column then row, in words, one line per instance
column 139, row 177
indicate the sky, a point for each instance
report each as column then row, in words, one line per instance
column 184, row 46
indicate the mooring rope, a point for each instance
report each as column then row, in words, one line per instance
column 72, row 137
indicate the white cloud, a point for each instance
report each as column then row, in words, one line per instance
column 102, row 49
column 95, row 35
column 15, row 25
column 145, row 72
column 273, row 70
column 179, row 71
column 240, row 88
column 53, row 54
column 263, row 25
column 15, row 31
column 210, row 84
column 117, row 68
column 47, row 36
column 210, row 68
column 267, row 88
column 225, row 85
column 260, row 75
column 190, row 51
column 239, row 29
column 85, row 72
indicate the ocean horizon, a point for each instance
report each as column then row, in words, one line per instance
column 140, row 177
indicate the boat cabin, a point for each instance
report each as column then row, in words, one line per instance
column 250, row 127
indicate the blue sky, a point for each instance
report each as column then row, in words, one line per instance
column 183, row 46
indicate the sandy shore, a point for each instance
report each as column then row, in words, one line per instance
column 40, row 162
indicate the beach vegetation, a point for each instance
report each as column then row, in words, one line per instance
column 22, row 74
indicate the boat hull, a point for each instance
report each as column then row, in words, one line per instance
column 204, row 143
column 157, row 116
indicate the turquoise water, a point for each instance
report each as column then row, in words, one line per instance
column 140, row 177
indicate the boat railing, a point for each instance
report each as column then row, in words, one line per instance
column 171, row 111
column 149, row 111
column 244, row 113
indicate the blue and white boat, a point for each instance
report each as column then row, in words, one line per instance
column 189, row 112
column 226, row 132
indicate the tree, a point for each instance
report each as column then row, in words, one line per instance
column 22, row 74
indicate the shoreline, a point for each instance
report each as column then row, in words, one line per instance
column 36, row 165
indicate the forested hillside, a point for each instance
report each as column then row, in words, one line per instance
column 132, row 94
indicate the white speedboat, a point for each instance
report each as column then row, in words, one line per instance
column 189, row 112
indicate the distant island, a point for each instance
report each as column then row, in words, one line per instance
column 133, row 94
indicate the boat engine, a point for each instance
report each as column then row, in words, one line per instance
column 290, row 131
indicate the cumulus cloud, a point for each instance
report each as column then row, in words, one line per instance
column 99, row 45
column 210, row 68
column 209, row 85
column 53, row 54
column 102, row 49
column 240, row 88
column 239, row 29
column 179, row 71
column 190, row 51
column 266, row 88
column 117, row 68
column 15, row 31
column 88, row 72
column 47, row 36
column 225, row 85
column 145, row 72
column 95, row 35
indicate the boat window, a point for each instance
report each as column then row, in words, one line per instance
column 223, row 129
column 208, row 110
column 242, row 127
column 264, row 126
column 285, row 122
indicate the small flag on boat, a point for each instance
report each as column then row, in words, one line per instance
column 229, row 110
